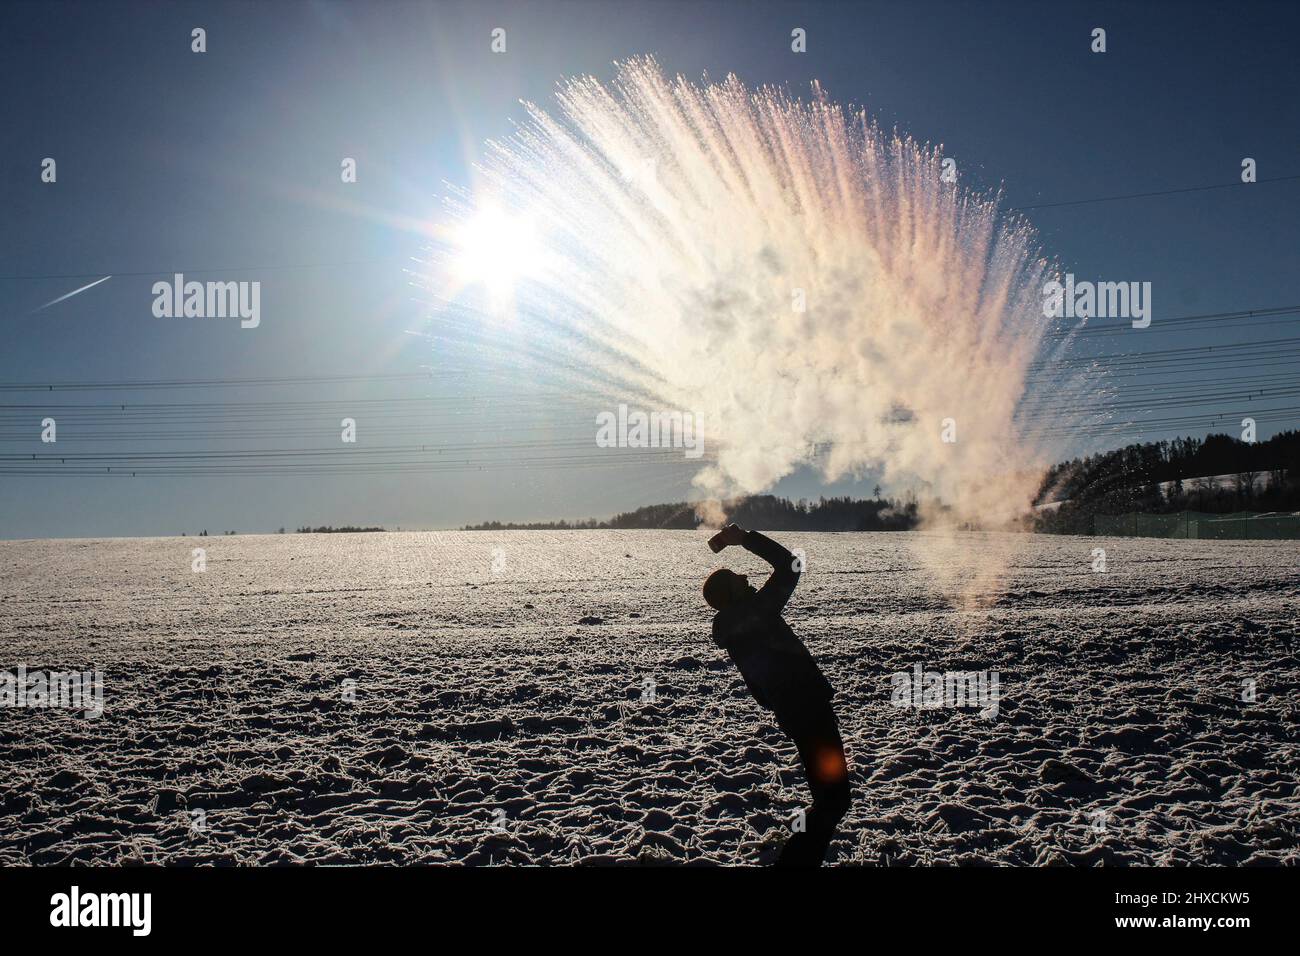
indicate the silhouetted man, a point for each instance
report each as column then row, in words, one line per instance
column 783, row 677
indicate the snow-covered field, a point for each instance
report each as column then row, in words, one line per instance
column 536, row 697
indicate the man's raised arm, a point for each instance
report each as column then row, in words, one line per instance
column 785, row 575
column 776, row 592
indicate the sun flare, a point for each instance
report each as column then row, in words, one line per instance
column 495, row 250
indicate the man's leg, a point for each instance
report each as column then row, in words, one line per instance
column 817, row 736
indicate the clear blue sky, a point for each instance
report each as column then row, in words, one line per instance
column 229, row 162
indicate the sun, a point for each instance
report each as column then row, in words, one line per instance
column 494, row 249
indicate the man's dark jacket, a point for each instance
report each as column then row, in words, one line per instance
column 779, row 671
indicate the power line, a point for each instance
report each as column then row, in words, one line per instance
column 285, row 267
column 1183, row 423
column 433, row 374
column 1161, row 192
column 1174, row 402
column 1190, row 350
column 289, row 412
column 199, row 271
column 1159, row 325
column 342, row 468
column 1199, row 365
column 142, row 384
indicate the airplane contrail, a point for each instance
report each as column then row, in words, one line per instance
column 72, row 293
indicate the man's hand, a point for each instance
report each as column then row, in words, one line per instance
column 731, row 534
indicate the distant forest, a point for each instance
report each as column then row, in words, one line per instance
column 1265, row 476
column 1171, row 476
column 330, row 529
column 761, row 512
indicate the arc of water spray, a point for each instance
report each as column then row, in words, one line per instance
column 796, row 277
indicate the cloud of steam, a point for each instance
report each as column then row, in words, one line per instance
column 685, row 224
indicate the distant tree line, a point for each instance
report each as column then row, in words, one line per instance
column 1152, row 477
column 1171, row 476
column 761, row 512
column 330, row 529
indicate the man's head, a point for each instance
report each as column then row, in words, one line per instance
column 724, row 587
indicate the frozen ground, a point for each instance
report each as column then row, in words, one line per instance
column 491, row 725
